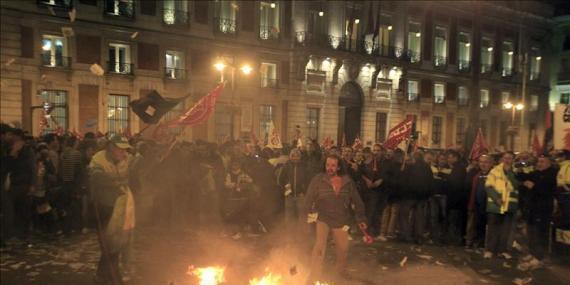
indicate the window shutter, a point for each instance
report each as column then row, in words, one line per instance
column 201, row 11
column 426, row 88
column 148, row 56
column 453, row 42
column 285, row 73
column 27, row 42
column 428, row 38
column 451, row 90
column 88, row 49
column 247, row 12
column 286, row 23
column 148, row 7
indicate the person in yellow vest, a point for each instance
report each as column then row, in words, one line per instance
column 563, row 177
column 502, row 203
column 114, row 207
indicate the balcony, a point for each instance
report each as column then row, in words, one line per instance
column 50, row 60
column 507, row 72
column 269, row 83
column 174, row 73
column 120, row 67
column 486, row 68
column 268, row 33
column 120, row 9
column 439, row 61
column 175, row 17
column 225, row 26
column 464, row 65
column 310, row 39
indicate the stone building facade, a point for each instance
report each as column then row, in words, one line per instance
column 338, row 69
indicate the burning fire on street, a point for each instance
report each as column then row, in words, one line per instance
column 214, row 275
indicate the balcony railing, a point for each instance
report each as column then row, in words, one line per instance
column 413, row 97
column 58, row 4
column 225, row 26
column 383, row 50
column 268, row 33
column 174, row 17
column 120, row 67
column 464, row 65
column 175, row 73
column 413, row 56
column 486, row 68
column 51, row 60
column 309, row 39
column 507, row 71
column 119, row 8
column 536, row 75
column 439, row 60
column 269, row 83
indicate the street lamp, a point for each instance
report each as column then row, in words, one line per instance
column 513, row 107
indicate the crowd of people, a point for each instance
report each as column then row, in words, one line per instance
column 64, row 185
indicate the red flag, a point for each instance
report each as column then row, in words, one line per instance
column 536, row 147
column 479, row 146
column 200, row 112
column 327, row 143
column 399, row 133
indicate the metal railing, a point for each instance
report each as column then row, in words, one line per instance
column 61, row 4
column 269, row 82
column 506, row 72
column 175, row 73
column 225, row 26
column 174, row 17
column 310, row 39
column 268, row 33
column 120, row 67
column 118, row 8
column 413, row 56
column 439, row 60
column 412, row 97
column 486, row 68
column 51, row 60
column 464, row 65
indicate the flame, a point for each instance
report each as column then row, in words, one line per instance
column 268, row 279
column 212, row 275
column 321, row 283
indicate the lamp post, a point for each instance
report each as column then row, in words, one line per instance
column 512, row 128
column 245, row 69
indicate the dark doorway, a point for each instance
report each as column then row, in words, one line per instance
column 350, row 107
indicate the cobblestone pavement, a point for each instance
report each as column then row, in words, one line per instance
column 162, row 258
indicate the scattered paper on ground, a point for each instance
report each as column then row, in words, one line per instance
column 427, row 257
column 522, row 281
column 403, row 262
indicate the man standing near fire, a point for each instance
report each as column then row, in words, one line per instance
column 330, row 200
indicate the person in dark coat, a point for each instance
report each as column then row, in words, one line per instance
column 457, row 198
column 292, row 179
column 373, row 194
column 541, row 187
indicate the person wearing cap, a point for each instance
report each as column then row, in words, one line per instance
column 114, row 206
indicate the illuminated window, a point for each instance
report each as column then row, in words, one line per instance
column 438, row 93
column 117, row 113
column 120, row 58
column 266, row 114
column 440, row 46
column 313, row 123
column 464, row 51
column 54, row 51
column 413, row 90
column 486, row 55
column 57, row 118
column 484, row 103
column 175, row 12
column 269, row 20
column 268, row 75
column 174, row 64
column 462, row 96
column 414, row 41
column 507, row 59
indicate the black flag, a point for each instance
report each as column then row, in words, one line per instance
column 152, row 107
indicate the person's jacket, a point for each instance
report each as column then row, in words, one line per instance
column 22, row 169
column 501, row 185
column 108, row 180
column 563, row 177
column 457, row 193
column 417, row 181
column 294, row 174
column 334, row 209
column 541, row 195
column 440, row 176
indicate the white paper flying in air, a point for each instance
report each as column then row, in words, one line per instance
column 96, row 69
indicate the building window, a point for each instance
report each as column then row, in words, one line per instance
column 462, row 96
column 174, row 64
column 121, row 8
column 460, row 131
column 440, row 46
column 352, row 28
column 269, row 20
column 381, row 125
column 117, row 113
column 505, row 97
column 57, row 102
column 565, row 98
column 313, row 123
column 484, row 98
column 381, row 43
column 175, row 12
column 226, row 15
column 268, row 75
column 533, row 103
column 535, row 60
column 120, row 59
column 438, row 93
column 413, row 90
column 266, row 114
column 54, row 51
column 414, row 41
column 224, row 123
column 507, row 57
column 464, row 51
column 316, row 81
column 486, row 55
column 436, row 128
